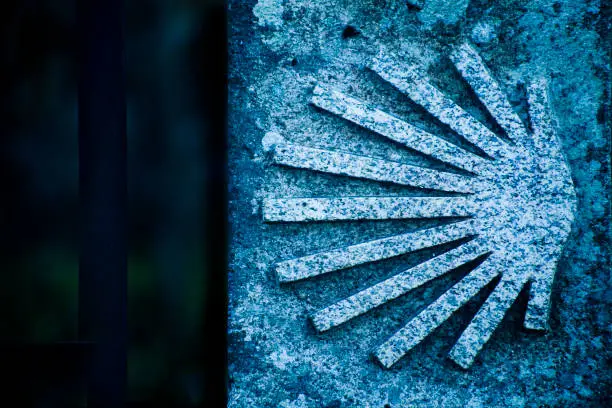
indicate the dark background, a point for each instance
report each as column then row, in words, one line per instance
column 175, row 91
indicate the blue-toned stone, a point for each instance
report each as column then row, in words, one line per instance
column 306, row 343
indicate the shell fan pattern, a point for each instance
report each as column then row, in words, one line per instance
column 517, row 203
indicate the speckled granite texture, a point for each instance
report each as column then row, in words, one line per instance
column 322, row 86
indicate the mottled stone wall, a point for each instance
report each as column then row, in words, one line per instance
column 279, row 51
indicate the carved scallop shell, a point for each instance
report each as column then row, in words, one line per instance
column 516, row 206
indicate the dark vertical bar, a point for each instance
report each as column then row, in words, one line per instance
column 213, row 72
column 103, row 195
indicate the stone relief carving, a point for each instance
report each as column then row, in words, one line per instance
column 516, row 206
column 398, row 192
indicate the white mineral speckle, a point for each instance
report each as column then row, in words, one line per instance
column 254, row 206
column 269, row 13
column 300, row 402
column 281, row 359
column 270, row 140
column 447, row 12
column 483, row 33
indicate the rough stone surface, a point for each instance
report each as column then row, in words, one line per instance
column 365, row 167
column 447, row 12
column 276, row 357
column 392, row 127
column 371, row 251
column 364, row 208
